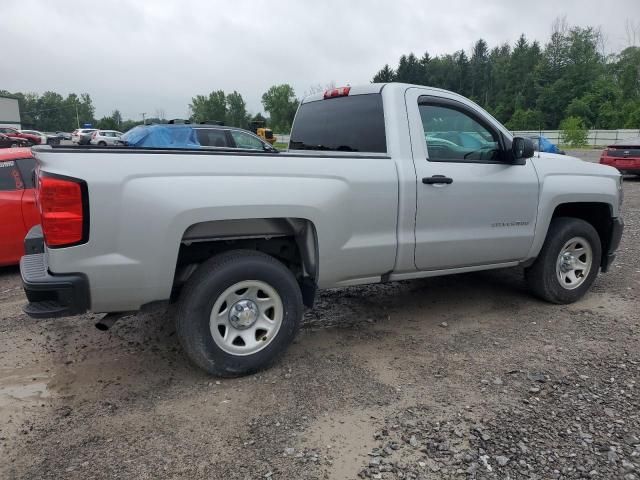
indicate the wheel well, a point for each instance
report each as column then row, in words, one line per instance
column 597, row 214
column 290, row 240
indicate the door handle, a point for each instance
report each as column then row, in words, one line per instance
column 437, row 179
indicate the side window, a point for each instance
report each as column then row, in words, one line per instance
column 26, row 167
column 211, row 137
column 10, row 176
column 452, row 135
column 244, row 140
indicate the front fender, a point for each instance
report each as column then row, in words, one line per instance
column 558, row 190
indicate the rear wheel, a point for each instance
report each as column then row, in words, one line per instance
column 238, row 313
column 102, row 144
column 568, row 263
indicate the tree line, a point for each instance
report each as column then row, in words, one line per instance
column 568, row 81
column 53, row 112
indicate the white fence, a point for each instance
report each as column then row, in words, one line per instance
column 281, row 138
column 595, row 138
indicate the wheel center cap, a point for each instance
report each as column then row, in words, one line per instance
column 243, row 314
column 568, row 262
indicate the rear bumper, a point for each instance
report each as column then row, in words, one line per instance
column 614, row 242
column 625, row 165
column 50, row 295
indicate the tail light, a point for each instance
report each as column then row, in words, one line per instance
column 337, row 92
column 64, row 210
column 94, row 134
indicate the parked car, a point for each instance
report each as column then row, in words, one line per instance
column 543, row 144
column 64, row 135
column 106, row 137
column 244, row 238
column 42, row 136
column 17, row 202
column 14, row 132
column 194, row 136
column 82, row 136
column 12, row 142
column 53, row 138
column 624, row 155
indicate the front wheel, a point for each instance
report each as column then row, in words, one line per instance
column 238, row 313
column 568, row 263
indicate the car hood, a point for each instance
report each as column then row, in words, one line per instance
column 556, row 164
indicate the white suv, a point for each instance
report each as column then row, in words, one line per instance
column 77, row 135
column 105, row 137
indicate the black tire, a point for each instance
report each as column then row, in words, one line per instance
column 102, row 144
column 203, row 289
column 14, row 145
column 541, row 276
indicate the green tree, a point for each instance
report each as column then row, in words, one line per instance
column 567, row 77
column 210, row 108
column 525, row 120
column 409, row 69
column 626, row 70
column 116, row 116
column 384, row 75
column 236, row 115
column 281, row 104
column 106, row 123
column 580, row 108
column 573, row 132
column 480, row 71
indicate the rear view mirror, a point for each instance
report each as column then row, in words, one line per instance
column 521, row 149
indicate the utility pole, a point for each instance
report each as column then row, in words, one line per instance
column 143, row 115
column 77, row 117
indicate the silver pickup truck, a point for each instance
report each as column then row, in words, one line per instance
column 381, row 182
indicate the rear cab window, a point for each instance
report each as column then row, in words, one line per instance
column 345, row 124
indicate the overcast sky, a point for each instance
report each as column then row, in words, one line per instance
column 146, row 55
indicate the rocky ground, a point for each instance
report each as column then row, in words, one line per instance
column 465, row 376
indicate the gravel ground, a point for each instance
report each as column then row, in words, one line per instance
column 465, row 376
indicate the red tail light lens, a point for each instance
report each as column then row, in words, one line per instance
column 337, row 92
column 94, row 134
column 63, row 210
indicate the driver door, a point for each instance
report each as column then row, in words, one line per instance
column 474, row 207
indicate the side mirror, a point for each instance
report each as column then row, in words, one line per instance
column 521, row 149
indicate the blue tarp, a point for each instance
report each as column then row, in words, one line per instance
column 162, row 136
column 545, row 145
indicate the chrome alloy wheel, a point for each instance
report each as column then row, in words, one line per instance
column 246, row 317
column 574, row 263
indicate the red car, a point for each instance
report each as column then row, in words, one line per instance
column 12, row 132
column 12, row 142
column 17, row 202
column 624, row 155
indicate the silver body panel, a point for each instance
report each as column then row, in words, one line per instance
column 372, row 216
